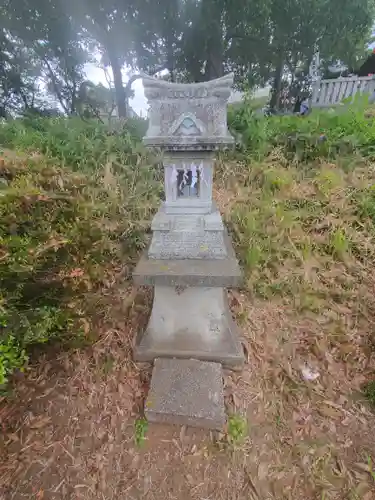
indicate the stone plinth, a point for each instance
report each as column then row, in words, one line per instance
column 186, row 392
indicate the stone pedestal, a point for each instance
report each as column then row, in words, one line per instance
column 190, row 261
column 193, row 322
column 190, row 316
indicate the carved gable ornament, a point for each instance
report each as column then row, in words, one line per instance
column 188, row 116
column 187, row 124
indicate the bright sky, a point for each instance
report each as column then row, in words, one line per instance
column 138, row 103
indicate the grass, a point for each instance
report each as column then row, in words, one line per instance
column 63, row 232
column 237, row 429
column 287, row 242
column 141, row 426
column 369, row 392
column 60, row 249
column 371, row 468
column 79, row 145
column 301, row 214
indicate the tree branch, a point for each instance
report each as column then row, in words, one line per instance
column 137, row 76
column 53, row 78
column 231, row 36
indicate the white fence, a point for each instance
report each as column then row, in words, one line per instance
column 326, row 93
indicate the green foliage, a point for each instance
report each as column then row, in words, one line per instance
column 366, row 203
column 81, row 197
column 275, row 179
column 140, row 431
column 52, row 48
column 251, row 131
column 339, row 243
column 322, row 134
column 303, row 221
column 237, row 429
column 80, row 144
column 11, row 357
column 51, row 40
column 63, row 231
column 369, row 392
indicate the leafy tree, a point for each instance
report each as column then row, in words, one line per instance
column 18, row 76
column 198, row 40
column 107, row 25
column 47, row 32
column 96, row 100
column 46, row 43
column 337, row 28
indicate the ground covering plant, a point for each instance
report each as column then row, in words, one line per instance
column 73, row 198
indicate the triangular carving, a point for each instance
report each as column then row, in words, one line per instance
column 187, row 125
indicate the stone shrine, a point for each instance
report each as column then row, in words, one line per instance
column 190, row 261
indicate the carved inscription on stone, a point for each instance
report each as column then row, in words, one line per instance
column 192, row 93
column 186, row 244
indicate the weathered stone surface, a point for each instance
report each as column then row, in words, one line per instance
column 164, row 221
column 194, row 322
column 182, row 170
column 187, row 245
column 188, row 116
column 192, row 236
column 190, row 245
column 186, row 392
column 224, row 273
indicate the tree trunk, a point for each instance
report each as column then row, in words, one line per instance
column 276, row 88
column 215, row 44
column 170, row 58
column 55, row 86
column 214, row 64
column 73, row 104
column 119, row 87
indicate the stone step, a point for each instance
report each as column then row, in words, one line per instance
column 186, row 392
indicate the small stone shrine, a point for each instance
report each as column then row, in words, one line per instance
column 190, row 261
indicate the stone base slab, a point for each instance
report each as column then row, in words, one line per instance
column 225, row 273
column 187, row 245
column 186, row 392
column 194, row 322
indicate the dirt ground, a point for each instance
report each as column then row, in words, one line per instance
column 68, row 429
